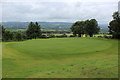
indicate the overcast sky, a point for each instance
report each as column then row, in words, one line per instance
column 58, row 10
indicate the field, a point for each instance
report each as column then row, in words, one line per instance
column 61, row 58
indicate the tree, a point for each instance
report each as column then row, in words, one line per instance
column 18, row 36
column 114, row 25
column 2, row 30
column 37, row 30
column 74, row 30
column 12, row 36
column 116, row 16
column 6, row 35
column 91, row 27
column 29, row 31
column 78, row 28
column 33, row 30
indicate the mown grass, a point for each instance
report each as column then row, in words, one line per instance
column 61, row 58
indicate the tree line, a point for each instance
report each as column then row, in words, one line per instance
column 33, row 31
column 90, row 27
column 87, row 27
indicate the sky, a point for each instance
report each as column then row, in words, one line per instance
column 57, row 10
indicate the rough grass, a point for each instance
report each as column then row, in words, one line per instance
column 61, row 58
column 0, row 60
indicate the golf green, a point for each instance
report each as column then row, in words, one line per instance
column 61, row 58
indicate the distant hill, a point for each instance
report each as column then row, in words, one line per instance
column 103, row 26
column 45, row 25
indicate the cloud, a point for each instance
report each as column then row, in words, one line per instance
column 59, row 0
column 64, row 11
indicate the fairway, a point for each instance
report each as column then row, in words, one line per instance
column 61, row 58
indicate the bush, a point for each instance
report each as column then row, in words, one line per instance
column 61, row 36
column 72, row 36
column 108, row 37
column 24, row 36
column 7, row 36
column 50, row 36
column 43, row 36
column 18, row 36
column 105, row 36
column 100, row 36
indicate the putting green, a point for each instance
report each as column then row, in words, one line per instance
column 61, row 58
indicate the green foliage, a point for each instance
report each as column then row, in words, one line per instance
column 12, row 36
column 114, row 25
column 44, row 36
column 61, row 36
column 1, row 31
column 89, row 27
column 51, row 35
column 72, row 36
column 18, row 36
column 6, row 35
column 33, row 31
column 78, row 28
column 116, row 16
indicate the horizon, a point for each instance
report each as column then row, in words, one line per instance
column 41, row 22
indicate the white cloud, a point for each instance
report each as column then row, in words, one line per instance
column 58, row 10
column 59, row 0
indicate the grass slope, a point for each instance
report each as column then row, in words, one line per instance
column 61, row 58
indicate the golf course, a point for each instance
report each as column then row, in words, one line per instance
column 61, row 58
